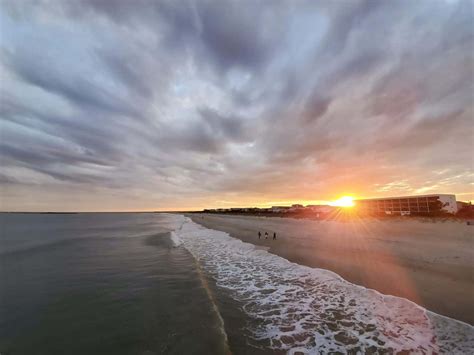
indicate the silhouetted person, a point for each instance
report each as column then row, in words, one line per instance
column 274, row 236
column 259, row 234
column 266, row 235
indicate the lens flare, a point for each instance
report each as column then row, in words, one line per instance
column 345, row 201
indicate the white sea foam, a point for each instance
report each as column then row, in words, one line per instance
column 175, row 239
column 297, row 308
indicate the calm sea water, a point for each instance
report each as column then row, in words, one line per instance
column 100, row 284
column 161, row 284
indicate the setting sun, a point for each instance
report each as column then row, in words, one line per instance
column 345, row 201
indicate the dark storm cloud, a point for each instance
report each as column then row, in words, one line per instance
column 210, row 132
column 193, row 137
column 66, row 145
column 231, row 128
column 53, row 163
column 208, row 98
column 232, row 33
column 315, row 107
column 7, row 179
column 99, row 148
column 79, row 90
column 127, row 70
column 346, row 19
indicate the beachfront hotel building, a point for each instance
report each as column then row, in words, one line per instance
column 406, row 205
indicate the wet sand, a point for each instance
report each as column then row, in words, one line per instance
column 430, row 263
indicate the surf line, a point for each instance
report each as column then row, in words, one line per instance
column 212, row 298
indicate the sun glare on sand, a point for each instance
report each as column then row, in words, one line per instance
column 345, row 201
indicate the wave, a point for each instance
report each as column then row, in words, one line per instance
column 298, row 308
column 40, row 246
column 46, row 245
column 175, row 239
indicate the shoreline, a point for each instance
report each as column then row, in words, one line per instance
column 341, row 217
column 429, row 264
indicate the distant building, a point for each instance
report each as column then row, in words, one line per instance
column 466, row 209
column 296, row 207
column 253, row 209
column 406, row 205
column 463, row 205
column 237, row 209
column 321, row 208
column 280, row 209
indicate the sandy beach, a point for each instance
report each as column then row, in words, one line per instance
column 430, row 263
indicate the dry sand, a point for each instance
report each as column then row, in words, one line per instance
column 430, row 263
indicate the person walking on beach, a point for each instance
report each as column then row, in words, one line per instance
column 266, row 235
column 274, row 236
column 259, row 234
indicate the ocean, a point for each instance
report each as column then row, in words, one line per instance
column 151, row 283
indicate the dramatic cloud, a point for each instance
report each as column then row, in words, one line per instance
column 112, row 105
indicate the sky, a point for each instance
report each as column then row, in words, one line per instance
column 178, row 105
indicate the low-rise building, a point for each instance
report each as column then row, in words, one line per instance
column 280, row 209
column 296, row 208
column 463, row 205
column 320, row 208
column 406, row 205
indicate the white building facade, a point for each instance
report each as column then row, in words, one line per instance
column 405, row 205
